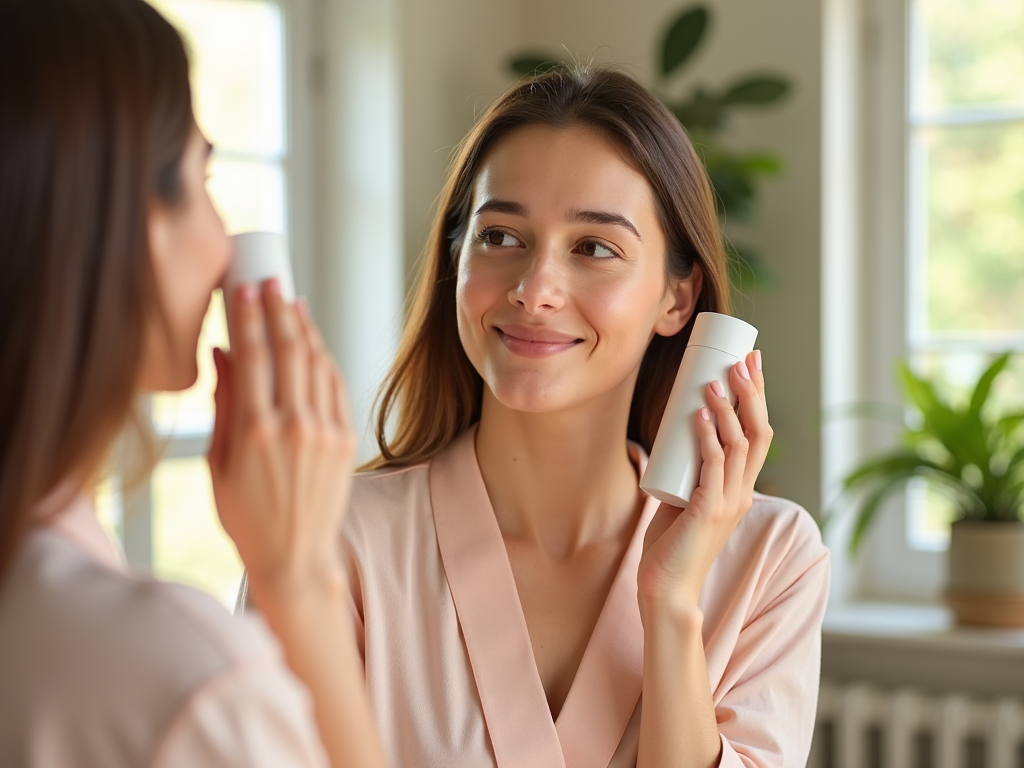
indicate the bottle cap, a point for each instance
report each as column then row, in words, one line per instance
column 724, row 333
column 259, row 256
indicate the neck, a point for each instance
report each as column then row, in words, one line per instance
column 560, row 480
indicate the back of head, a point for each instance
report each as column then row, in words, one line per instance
column 95, row 113
column 432, row 385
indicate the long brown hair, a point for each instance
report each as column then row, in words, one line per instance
column 432, row 384
column 95, row 114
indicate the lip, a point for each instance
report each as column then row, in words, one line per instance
column 535, row 341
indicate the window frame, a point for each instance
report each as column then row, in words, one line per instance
column 871, row 247
column 136, row 504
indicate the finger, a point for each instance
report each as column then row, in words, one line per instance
column 661, row 522
column 730, row 431
column 712, row 471
column 215, row 455
column 291, row 352
column 321, row 369
column 342, row 409
column 753, row 416
column 754, row 365
column 251, row 377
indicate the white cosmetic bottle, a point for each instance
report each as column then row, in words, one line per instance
column 258, row 256
column 716, row 344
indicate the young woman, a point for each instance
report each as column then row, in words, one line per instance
column 518, row 601
column 109, row 251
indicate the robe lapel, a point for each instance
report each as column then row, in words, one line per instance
column 609, row 681
column 487, row 602
column 607, row 686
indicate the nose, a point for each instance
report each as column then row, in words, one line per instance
column 541, row 285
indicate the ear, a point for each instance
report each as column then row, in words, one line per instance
column 680, row 302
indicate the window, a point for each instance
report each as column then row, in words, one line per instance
column 923, row 242
column 238, row 77
column 966, row 206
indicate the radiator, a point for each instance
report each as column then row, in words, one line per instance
column 861, row 726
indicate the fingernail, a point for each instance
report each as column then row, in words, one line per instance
column 757, row 358
column 705, row 414
column 247, row 293
column 717, row 388
column 742, row 368
column 302, row 306
column 273, row 286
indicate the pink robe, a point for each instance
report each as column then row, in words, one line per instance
column 450, row 667
column 100, row 668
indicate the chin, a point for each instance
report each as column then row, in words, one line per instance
column 180, row 380
column 530, row 396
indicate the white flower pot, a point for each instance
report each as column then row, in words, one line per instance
column 985, row 576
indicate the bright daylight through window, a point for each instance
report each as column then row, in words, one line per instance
column 966, row 133
column 236, row 50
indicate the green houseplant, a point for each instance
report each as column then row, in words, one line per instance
column 976, row 458
column 706, row 113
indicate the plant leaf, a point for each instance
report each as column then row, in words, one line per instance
column 683, row 37
column 1009, row 424
column 761, row 163
column 918, row 391
column 765, row 89
column 960, row 434
column 533, row 64
column 868, row 510
column 889, row 465
column 984, row 387
column 700, row 113
column 1015, row 463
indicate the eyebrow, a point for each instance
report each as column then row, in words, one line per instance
column 575, row 216
column 503, row 206
column 603, row 217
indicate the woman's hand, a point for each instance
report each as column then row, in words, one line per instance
column 282, row 472
column 681, row 544
column 281, row 462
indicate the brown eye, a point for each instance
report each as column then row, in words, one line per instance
column 498, row 238
column 595, row 250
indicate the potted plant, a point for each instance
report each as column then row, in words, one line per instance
column 975, row 457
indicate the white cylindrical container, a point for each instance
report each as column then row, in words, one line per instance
column 716, row 344
column 258, row 256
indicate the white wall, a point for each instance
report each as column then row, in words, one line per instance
column 454, row 55
column 356, row 292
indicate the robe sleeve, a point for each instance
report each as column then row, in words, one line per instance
column 766, row 717
column 253, row 715
column 354, row 598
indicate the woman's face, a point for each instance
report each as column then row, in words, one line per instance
column 562, row 279
column 190, row 253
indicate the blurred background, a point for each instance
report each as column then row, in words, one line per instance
column 887, row 219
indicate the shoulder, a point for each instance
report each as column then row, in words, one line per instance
column 776, row 546
column 382, row 489
column 387, row 503
column 112, row 660
column 783, row 524
column 275, row 726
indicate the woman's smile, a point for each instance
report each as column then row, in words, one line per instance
column 535, row 341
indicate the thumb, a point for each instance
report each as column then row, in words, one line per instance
column 217, row 453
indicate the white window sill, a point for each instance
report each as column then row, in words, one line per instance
column 895, row 645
